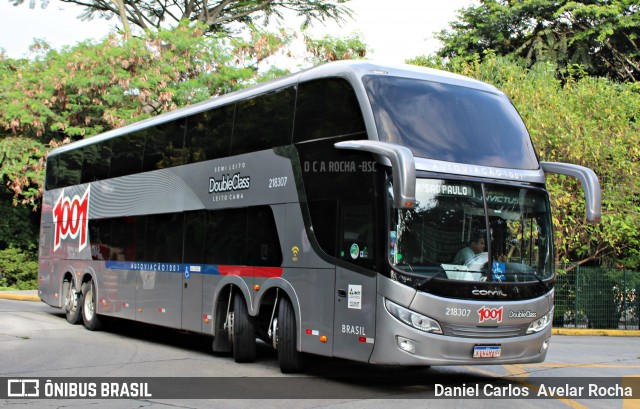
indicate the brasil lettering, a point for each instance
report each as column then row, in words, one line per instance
column 229, row 183
column 71, row 219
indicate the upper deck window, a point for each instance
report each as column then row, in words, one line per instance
column 326, row 108
column 450, row 123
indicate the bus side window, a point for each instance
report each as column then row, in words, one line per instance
column 163, row 241
column 51, row 181
column 69, row 168
column 209, row 134
column 100, row 239
column 263, row 245
column 95, row 164
column 194, row 237
column 357, row 232
column 326, row 107
column 225, row 237
column 163, row 145
column 126, row 156
column 340, row 190
column 127, row 238
column 325, row 213
column 264, row 122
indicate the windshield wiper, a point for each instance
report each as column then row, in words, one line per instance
column 535, row 274
column 422, row 283
column 420, row 280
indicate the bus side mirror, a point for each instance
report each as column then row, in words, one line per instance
column 402, row 164
column 589, row 181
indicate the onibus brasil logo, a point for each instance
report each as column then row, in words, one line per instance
column 70, row 216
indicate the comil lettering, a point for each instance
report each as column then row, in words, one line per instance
column 489, row 293
column 71, row 218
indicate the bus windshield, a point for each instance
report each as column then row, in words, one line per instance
column 450, row 123
column 459, row 226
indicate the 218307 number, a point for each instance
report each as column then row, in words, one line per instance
column 277, row 182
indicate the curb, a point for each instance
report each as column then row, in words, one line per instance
column 597, row 332
column 20, row 297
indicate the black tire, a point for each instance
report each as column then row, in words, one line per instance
column 290, row 359
column 221, row 343
column 72, row 302
column 90, row 318
column 244, row 332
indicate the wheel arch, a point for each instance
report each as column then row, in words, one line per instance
column 69, row 274
column 284, row 289
column 221, row 296
column 272, row 285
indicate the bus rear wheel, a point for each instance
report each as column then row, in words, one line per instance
column 290, row 359
column 72, row 302
column 90, row 317
column 243, row 331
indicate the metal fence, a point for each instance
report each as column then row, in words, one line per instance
column 599, row 298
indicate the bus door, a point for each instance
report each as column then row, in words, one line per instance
column 192, row 298
column 355, row 305
column 355, row 315
column 193, row 270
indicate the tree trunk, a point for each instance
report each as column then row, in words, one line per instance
column 123, row 17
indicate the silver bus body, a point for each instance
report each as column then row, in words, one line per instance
column 256, row 237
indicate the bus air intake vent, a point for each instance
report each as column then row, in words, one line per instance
column 468, row 331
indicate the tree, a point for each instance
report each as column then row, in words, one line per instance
column 59, row 96
column 62, row 96
column 603, row 36
column 587, row 121
column 217, row 15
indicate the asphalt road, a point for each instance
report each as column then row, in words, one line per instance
column 36, row 342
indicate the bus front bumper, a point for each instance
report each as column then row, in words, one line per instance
column 398, row 344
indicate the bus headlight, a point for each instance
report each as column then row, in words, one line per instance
column 541, row 323
column 413, row 319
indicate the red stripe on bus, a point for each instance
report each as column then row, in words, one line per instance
column 264, row 272
column 268, row 272
column 235, row 270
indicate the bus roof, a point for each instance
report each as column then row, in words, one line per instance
column 352, row 70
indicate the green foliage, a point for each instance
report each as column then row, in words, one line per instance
column 335, row 48
column 602, row 36
column 55, row 98
column 596, row 297
column 22, row 167
column 587, row 121
column 83, row 90
column 215, row 15
column 18, row 225
column 65, row 95
column 18, row 269
column 599, row 299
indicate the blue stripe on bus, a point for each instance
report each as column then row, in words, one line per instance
column 163, row 267
column 243, row 271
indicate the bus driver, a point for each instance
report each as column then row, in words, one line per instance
column 475, row 247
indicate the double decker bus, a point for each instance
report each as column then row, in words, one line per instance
column 390, row 215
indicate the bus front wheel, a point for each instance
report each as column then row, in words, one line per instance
column 289, row 357
column 243, row 331
column 90, row 317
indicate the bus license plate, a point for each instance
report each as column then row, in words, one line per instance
column 486, row 351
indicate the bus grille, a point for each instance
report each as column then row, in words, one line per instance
column 467, row 331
